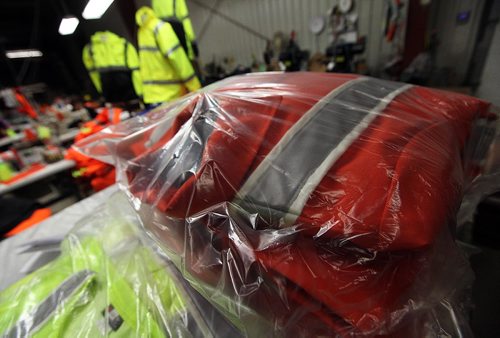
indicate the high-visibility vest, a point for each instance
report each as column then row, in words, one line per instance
column 113, row 66
column 176, row 11
column 327, row 192
column 166, row 71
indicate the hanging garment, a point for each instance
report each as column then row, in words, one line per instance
column 176, row 13
column 321, row 202
column 113, row 67
column 166, row 71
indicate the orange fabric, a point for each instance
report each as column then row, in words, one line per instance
column 25, row 106
column 34, row 168
column 99, row 175
column 364, row 234
column 30, row 135
column 37, row 216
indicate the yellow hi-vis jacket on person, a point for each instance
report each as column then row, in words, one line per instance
column 168, row 10
column 113, row 66
column 166, row 70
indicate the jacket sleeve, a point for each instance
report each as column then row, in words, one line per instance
column 89, row 65
column 171, row 48
column 183, row 15
column 133, row 65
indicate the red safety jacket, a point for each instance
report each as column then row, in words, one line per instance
column 314, row 199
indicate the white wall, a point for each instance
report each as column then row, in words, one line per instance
column 490, row 80
column 224, row 39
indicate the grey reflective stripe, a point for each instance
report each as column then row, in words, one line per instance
column 186, row 149
column 42, row 313
column 163, row 82
column 168, row 82
column 158, row 27
column 149, row 49
column 311, row 147
column 110, row 69
column 189, row 78
column 134, row 68
column 171, row 50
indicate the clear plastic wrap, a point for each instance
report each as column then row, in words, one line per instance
column 109, row 281
column 306, row 204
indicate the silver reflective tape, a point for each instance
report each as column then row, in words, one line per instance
column 283, row 182
column 168, row 82
column 171, row 50
column 27, row 325
column 158, row 27
column 183, row 157
column 163, row 82
column 149, row 49
column 189, row 78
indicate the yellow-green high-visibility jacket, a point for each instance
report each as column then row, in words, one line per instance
column 113, row 66
column 176, row 10
column 88, row 293
column 166, row 71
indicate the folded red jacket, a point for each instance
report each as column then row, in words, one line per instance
column 313, row 199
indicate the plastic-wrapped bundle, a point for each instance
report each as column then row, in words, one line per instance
column 309, row 204
column 108, row 281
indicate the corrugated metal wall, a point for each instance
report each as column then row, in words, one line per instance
column 220, row 38
column 456, row 41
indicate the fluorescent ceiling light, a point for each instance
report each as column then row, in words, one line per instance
column 96, row 8
column 68, row 25
column 23, row 53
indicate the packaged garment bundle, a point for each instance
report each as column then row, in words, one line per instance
column 109, row 281
column 306, row 204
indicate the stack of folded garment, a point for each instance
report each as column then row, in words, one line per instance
column 308, row 204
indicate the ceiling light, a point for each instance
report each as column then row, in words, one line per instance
column 23, row 53
column 96, row 8
column 68, row 25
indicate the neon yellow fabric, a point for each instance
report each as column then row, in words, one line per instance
column 6, row 171
column 166, row 71
column 107, row 50
column 10, row 132
column 44, row 133
column 178, row 10
column 138, row 288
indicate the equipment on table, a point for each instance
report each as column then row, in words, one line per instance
column 310, row 204
column 176, row 13
column 343, row 55
column 98, row 174
column 113, row 67
column 166, row 70
column 284, row 53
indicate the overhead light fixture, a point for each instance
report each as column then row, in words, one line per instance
column 68, row 25
column 96, row 8
column 23, row 53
